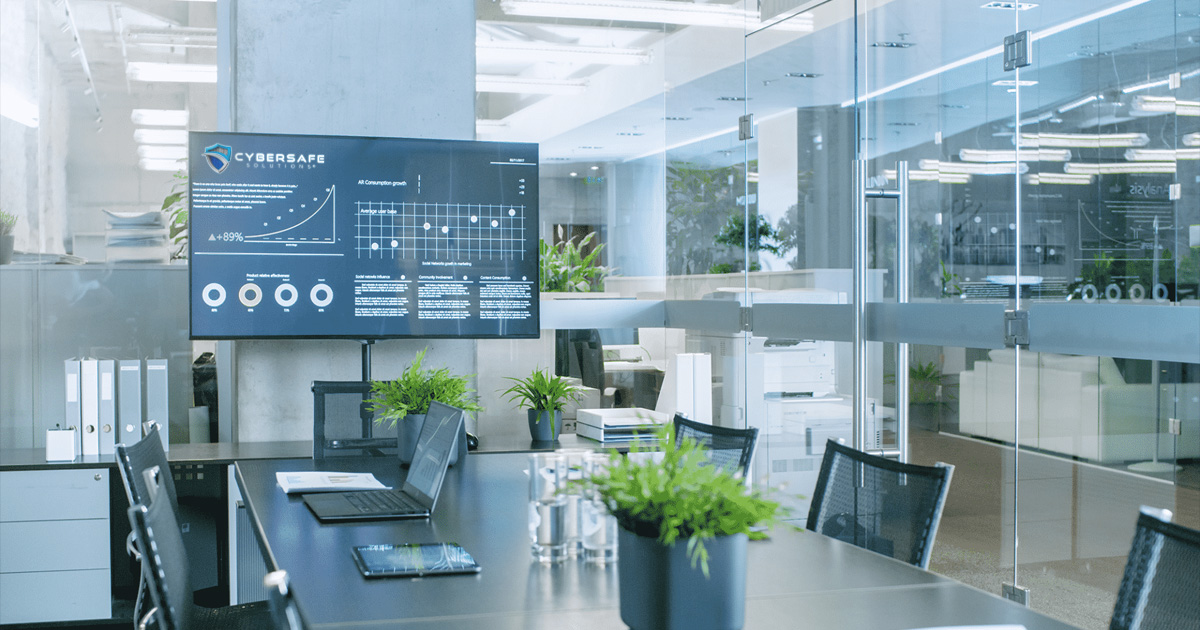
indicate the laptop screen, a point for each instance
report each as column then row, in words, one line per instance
column 432, row 457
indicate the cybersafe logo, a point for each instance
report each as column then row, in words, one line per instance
column 218, row 156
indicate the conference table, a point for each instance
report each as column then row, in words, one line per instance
column 795, row 579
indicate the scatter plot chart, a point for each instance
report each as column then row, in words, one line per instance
column 440, row 231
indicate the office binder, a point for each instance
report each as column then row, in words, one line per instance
column 89, row 405
column 72, row 418
column 157, row 409
column 129, row 401
column 108, row 406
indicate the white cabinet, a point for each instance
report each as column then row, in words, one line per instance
column 54, row 545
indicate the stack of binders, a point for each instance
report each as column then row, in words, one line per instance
column 109, row 400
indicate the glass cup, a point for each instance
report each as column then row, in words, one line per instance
column 574, row 495
column 547, row 507
column 598, row 528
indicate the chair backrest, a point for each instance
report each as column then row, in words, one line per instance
column 1161, row 585
column 164, row 562
column 879, row 504
column 728, row 449
column 285, row 613
column 144, row 457
column 343, row 423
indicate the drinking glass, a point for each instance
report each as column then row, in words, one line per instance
column 547, row 507
column 598, row 528
column 574, row 495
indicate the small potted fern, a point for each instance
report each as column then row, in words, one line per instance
column 405, row 400
column 7, row 239
column 683, row 530
column 544, row 395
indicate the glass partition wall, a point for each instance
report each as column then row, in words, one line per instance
column 845, row 219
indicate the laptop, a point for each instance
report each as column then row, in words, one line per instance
column 419, row 494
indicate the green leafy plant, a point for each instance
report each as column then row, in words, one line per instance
column 416, row 386
column 763, row 237
column 950, row 286
column 564, row 266
column 7, row 223
column 176, row 206
column 679, row 497
column 542, row 391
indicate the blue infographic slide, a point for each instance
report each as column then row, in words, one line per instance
column 347, row 237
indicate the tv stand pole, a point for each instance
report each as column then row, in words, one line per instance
column 364, row 414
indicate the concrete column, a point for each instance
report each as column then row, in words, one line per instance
column 392, row 68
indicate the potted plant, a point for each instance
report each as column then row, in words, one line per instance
column 928, row 390
column 176, row 205
column 405, row 400
column 7, row 238
column 544, row 395
column 565, row 268
column 682, row 537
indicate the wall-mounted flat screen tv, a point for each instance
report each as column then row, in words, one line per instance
column 361, row 238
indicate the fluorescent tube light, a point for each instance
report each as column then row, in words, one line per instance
column 18, row 107
column 1033, row 155
column 1165, row 105
column 160, row 136
column 162, row 151
column 1161, row 155
column 1094, row 168
column 1191, row 140
column 160, row 117
column 148, row 164
column 1084, row 140
column 1079, row 103
column 974, row 168
column 654, row 11
column 1145, row 86
column 917, row 175
column 527, row 85
column 995, row 50
column 171, row 72
column 1014, row 83
column 1073, row 179
column 535, row 52
column 1008, row 6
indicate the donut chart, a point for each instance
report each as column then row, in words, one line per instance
column 213, row 294
column 250, row 295
column 321, row 295
column 286, row 295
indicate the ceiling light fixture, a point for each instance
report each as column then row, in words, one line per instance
column 1084, row 140
column 1165, row 105
column 1071, row 179
column 171, row 72
column 538, row 52
column 1161, row 155
column 995, row 51
column 1191, row 140
column 18, row 107
column 1014, row 83
column 974, row 168
column 162, row 151
column 893, row 45
column 1035, row 155
column 802, row 75
column 1112, row 168
column 160, row 136
column 1079, row 103
column 1009, row 6
column 527, row 85
column 917, row 175
column 655, row 11
column 1145, row 86
column 160, row 117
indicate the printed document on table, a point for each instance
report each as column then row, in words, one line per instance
column 315, row 481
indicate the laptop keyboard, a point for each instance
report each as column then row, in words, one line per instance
column 383, row 502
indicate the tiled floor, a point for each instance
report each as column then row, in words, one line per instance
column 1076, row 523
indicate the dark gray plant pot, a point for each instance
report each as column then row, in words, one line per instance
column 660, row 589
column 409, row 430
column 539, row 425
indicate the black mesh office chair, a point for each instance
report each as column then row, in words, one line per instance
column 1161, row 586
column 729, row 449
column 343, row 423
column 879, row 504
column 144, row 470
column 165, row 567
column 285, row 612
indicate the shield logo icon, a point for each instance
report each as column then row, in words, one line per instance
column 218, row 156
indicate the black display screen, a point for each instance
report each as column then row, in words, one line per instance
column 345, row 237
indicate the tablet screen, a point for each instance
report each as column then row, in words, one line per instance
column 413, row 560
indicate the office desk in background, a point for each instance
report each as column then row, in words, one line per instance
column 797, row 579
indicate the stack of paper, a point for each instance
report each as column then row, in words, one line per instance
column 137, row 236
column 316, row 481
